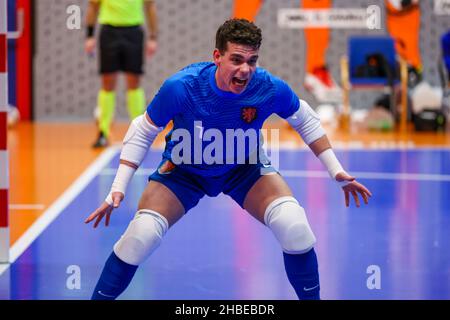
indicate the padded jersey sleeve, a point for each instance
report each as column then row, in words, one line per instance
column 168, row 102
column 286, row 101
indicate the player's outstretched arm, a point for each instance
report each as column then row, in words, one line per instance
column 354, row 188
column 322, row 149
column 105, row 209
column 140, row 136
column 307, row 123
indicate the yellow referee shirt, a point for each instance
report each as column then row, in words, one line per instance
column 121, row 13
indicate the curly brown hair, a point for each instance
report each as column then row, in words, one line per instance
column 239, row 31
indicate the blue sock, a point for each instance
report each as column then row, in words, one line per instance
column 115, row 278
column 303, row 274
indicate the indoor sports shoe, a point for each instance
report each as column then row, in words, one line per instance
column 322, row 86
column 414, row 76
column 101, row 141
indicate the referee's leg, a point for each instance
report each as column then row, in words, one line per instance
column 109, row 66
column 133, row 66
column 106, row 102
column 135, row 95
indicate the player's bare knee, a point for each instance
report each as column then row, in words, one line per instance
column 288, row 222
column 142, row 237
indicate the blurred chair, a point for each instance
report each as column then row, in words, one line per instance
column 372, row 63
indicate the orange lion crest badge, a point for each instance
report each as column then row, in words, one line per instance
column 248, row 114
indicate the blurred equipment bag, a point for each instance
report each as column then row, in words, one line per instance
column 430, row 120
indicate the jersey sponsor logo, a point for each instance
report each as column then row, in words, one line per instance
column 248, row 114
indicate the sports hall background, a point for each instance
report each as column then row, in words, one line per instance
column 66, row 82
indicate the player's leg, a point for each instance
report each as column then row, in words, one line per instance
column 317, row 39
column 318, row 79
column 402, row 16
column 159, row 209
column 168, row 196
column 269, row 199
column 246, row 9
column 133, row 67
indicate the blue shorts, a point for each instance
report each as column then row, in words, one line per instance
column 190, row 188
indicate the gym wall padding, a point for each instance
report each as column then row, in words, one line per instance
column 66, row 80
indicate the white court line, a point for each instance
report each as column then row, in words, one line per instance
column 348, row 146
column 61, row 203
column 354, row 145
column 361, row 147
column 3, row 268
column 324, row 174
column 370, row 175
column 26, row 207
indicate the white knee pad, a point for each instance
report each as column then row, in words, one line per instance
column 288, row 222
column 142, row 237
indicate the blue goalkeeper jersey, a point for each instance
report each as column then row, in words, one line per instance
column 206, row 118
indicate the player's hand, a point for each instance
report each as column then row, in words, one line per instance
column 353, row 188
column 105, row 209
column 89, row 46
column 150, row 47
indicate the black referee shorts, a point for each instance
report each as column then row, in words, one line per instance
column 121, row 49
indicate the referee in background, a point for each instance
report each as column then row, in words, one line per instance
column 121, row 48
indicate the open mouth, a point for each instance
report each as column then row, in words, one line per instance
column 239, row 82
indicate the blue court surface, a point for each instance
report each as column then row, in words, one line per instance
column 397, row 247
